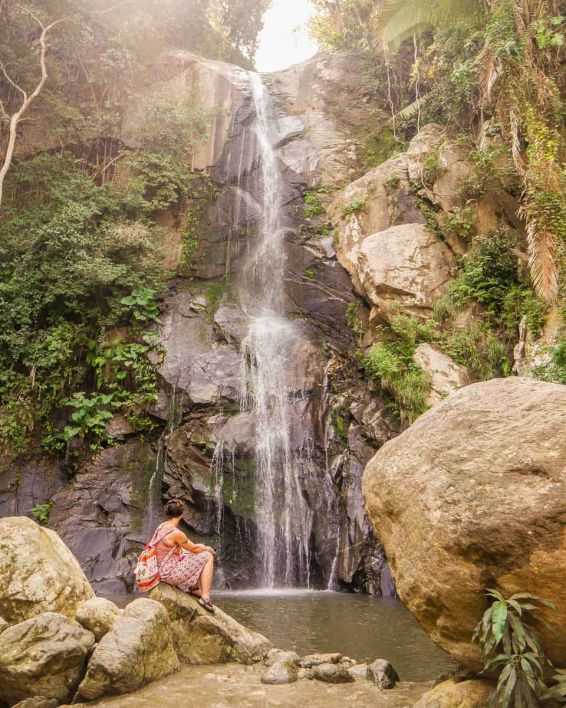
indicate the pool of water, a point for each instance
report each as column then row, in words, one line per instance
column 359, row 626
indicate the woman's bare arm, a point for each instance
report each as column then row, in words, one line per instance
column 180, row 538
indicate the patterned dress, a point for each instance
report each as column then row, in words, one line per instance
column 178, row 567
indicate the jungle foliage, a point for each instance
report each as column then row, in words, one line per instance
column 80, row 253
column 472, row 62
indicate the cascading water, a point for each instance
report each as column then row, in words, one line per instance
column 283, row 518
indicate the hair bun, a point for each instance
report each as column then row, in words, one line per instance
column 174, row 508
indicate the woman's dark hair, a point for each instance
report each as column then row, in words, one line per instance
column 174, row 508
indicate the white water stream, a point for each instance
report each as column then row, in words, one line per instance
column 282, row 515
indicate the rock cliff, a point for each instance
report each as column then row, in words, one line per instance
column 204, row 448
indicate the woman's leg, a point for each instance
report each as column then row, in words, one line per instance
column 205, row 580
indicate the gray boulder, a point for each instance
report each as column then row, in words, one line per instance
column 43, row 656
column 277, row 655
column 310, row 660
column 280, row 673
column 204, row 638
column 98, row 616
column 359, row 671
column 137, row 650
column 382, row 673
column 332, row 673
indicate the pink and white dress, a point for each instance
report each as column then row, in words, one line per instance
column 177, row 567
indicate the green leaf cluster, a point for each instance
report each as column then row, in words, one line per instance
column 42, row 512
column 511, row 648
column 391, row 365
column 354, row 206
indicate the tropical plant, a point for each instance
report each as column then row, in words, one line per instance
column 522, row 46
column 399, row 19
column 42, row 512
column 391, row 364
column 511, row 648
column 518, row 82
column 555, row 694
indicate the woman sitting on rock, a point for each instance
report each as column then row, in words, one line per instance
column 186, row 565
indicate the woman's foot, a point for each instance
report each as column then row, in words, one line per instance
column 206, row 604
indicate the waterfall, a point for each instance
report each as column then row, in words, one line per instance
column 282, row 516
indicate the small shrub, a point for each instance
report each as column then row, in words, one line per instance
column 391, row 364
column 313, row 207
column 403, row 377
column 42, row 512
column 353, row 319
column 460, row 222
column 142, row 304
column 511, row 648
column 554, row 370
column 429, row 169
column 354, row 206
column 488, row 270
column 478, row 349
column 520, row 301
column 90, row 414
column 392, row 181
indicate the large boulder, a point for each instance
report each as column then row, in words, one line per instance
column 98, row 616
column 473, row 496
column 43, row 656
column 138, row 649
column 38, row 573
column 204, row 638
column 404, row 264
column 451, row 694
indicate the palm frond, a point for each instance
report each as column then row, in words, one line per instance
column 399, row 19
column 542, row 257
column 412, row 109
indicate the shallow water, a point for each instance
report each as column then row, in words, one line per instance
column 359, row 626
column 232, row 685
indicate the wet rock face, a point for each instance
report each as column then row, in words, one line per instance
column 473, row 496
column 102, row 515
column 335, row 427
column 207, row 457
